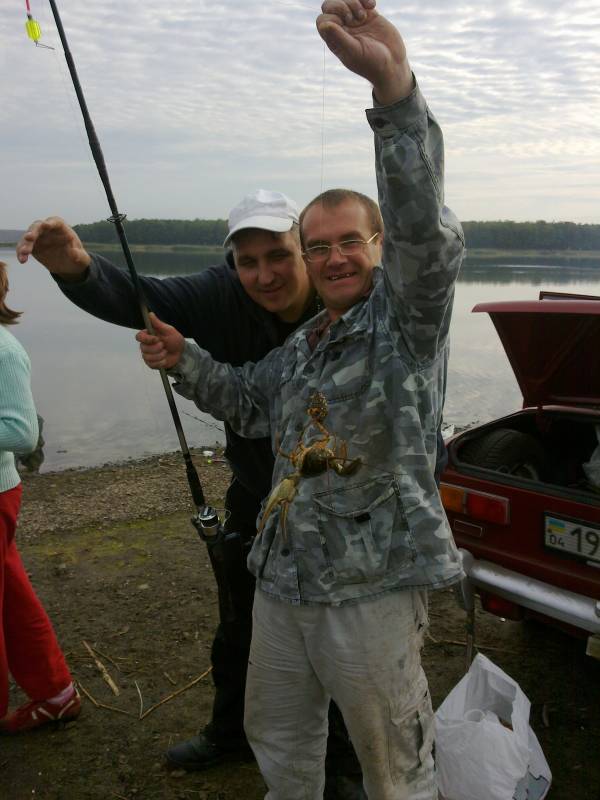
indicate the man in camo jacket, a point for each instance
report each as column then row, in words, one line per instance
column 354, row 533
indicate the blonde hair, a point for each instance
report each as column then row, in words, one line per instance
column 7, row 315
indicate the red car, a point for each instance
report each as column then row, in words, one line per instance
column 522, row 493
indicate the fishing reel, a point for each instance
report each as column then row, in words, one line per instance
column 208, row 525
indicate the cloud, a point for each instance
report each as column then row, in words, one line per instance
column 196, row 103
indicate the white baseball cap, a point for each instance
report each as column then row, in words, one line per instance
column 264, row 209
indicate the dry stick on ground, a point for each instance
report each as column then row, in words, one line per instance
column 477, row 646
column 102, row 705
column 72, row 655
column 104, row 672
column 120, row 633
column 174, row 694
column 170, row 679
column 108, row 658
column 141, row 700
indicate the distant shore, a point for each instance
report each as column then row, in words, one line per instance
column 205, row 249
column 115, row 247
column 491, row 254
column 473, row 254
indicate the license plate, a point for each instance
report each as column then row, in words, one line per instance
column 574, row 538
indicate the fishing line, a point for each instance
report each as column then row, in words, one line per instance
column 204, row 422
column 323, row 119
column 76, row 119
column 117, row 218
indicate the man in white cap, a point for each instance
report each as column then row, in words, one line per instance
column 238, row 311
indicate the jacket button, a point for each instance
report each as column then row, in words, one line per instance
column 285, row 552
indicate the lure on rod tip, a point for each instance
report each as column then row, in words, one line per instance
column 34, row 31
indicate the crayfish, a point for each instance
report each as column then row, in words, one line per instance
column 309, row 460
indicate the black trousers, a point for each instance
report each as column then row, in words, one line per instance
column 231, row 645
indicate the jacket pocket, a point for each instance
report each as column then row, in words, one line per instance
column 363, row 530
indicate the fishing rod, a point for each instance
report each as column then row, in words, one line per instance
column 205, row 520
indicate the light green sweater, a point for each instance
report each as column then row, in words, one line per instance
column 18, row 420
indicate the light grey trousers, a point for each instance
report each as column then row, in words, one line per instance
column 366, row 656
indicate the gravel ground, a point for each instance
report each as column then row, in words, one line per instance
column 117, row 564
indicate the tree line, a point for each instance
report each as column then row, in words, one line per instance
column 158, row 231
column 539, row 235
column 500, row 235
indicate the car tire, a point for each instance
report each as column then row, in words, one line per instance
column 506, row 451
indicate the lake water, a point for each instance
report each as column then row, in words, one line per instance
column 100, row 403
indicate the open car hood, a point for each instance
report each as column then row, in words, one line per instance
column 553, row 345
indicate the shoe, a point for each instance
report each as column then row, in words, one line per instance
column 200, row 753
column 40, row 712
column 344, row 787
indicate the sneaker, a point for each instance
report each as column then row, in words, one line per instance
column 200, row 753
column 40, row 712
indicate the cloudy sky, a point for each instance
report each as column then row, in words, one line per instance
column 196, row 103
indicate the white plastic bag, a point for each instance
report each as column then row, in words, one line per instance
column 484, row 748
column 592, row 467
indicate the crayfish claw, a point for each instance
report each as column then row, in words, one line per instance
column 346, row 468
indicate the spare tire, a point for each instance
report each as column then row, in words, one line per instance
column 507, row 451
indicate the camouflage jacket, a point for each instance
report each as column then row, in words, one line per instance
column 381, row 368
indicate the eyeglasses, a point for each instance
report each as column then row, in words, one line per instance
column 321, row 252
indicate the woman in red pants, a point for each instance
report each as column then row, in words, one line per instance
column 28, row 645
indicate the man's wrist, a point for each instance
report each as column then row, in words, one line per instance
column 394, row 87
column 386, row 121
column 187, row 369
column 70, row 277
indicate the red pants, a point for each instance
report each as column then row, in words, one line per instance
column 28, row 645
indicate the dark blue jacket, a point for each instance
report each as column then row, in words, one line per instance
column 212, row 308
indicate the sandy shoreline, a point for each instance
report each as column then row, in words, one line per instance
column 136, row 489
